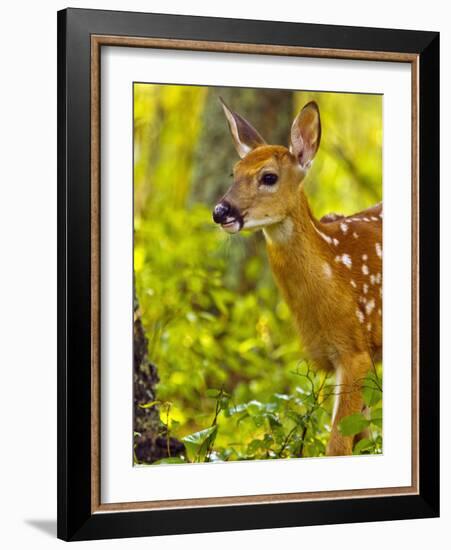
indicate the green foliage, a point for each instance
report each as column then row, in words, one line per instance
column 233, row 382
column 171, row 460
column 372, row 390
column 198, row 444
column 353, row 424
column 285, row 426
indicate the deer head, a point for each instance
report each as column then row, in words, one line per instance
column 267, row 176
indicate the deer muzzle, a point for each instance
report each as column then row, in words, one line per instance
column 228, row 216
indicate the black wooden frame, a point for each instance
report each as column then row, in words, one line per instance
column 75, row 520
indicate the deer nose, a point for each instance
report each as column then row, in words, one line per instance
column 221, row 211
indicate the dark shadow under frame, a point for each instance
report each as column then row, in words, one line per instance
column 80, row 36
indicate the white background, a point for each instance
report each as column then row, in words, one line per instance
column 28, row 274
column 120, row 481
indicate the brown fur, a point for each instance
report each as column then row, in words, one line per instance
column 336, row 304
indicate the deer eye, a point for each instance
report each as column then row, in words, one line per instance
column 269, row 179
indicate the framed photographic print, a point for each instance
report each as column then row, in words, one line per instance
column 248, row 274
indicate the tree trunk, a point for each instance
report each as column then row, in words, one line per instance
column 150, row 440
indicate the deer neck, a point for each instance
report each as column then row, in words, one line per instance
column 300, row 254
column 298, row 232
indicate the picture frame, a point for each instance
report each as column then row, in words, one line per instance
column 81, row 36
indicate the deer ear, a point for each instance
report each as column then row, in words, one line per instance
column 306, row 134
column 245, row 136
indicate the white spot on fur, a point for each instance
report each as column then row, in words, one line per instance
column 336, row 242
column 321, row 234
column 355, row 235
column 365, row 289
column 345, row 259
column 353, row 283
column 360, row 315
column 379, row 311
column 344, row 227
column 372, row 279
column 327, row 270
column 368, row 326
column 374, row 219
column 378, row 278
column 369, row 307
column 365, row 257
column 378, row 249
column 365, row 219
column 365, row 269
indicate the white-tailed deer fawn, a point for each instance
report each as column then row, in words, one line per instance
column 329, row 271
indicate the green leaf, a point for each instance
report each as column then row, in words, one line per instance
column 376, row 417
column 267, row 441
column 259, row 420
column 225, row 454
column 148, row 405
column 213, row 393
column 254, row 408
column 197, row 444
column 281, row 397
column 274, row 421
column 353, row 424
column 297, row 418
column 371, row 391
column 170, row 460
column 363, row 445
column 220, row 301
column 279, row 435
column 270, row 407
column 254, row 446
column 224, row 402
column 174, row 424
column 303, row 368
column 235, row 410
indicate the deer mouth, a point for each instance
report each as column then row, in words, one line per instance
column 228, row 217
column 232, row 225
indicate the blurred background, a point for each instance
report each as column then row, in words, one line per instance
column 219, row 335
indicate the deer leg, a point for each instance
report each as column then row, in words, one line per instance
column 349, row 400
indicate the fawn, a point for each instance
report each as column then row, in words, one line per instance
column 329, row 271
